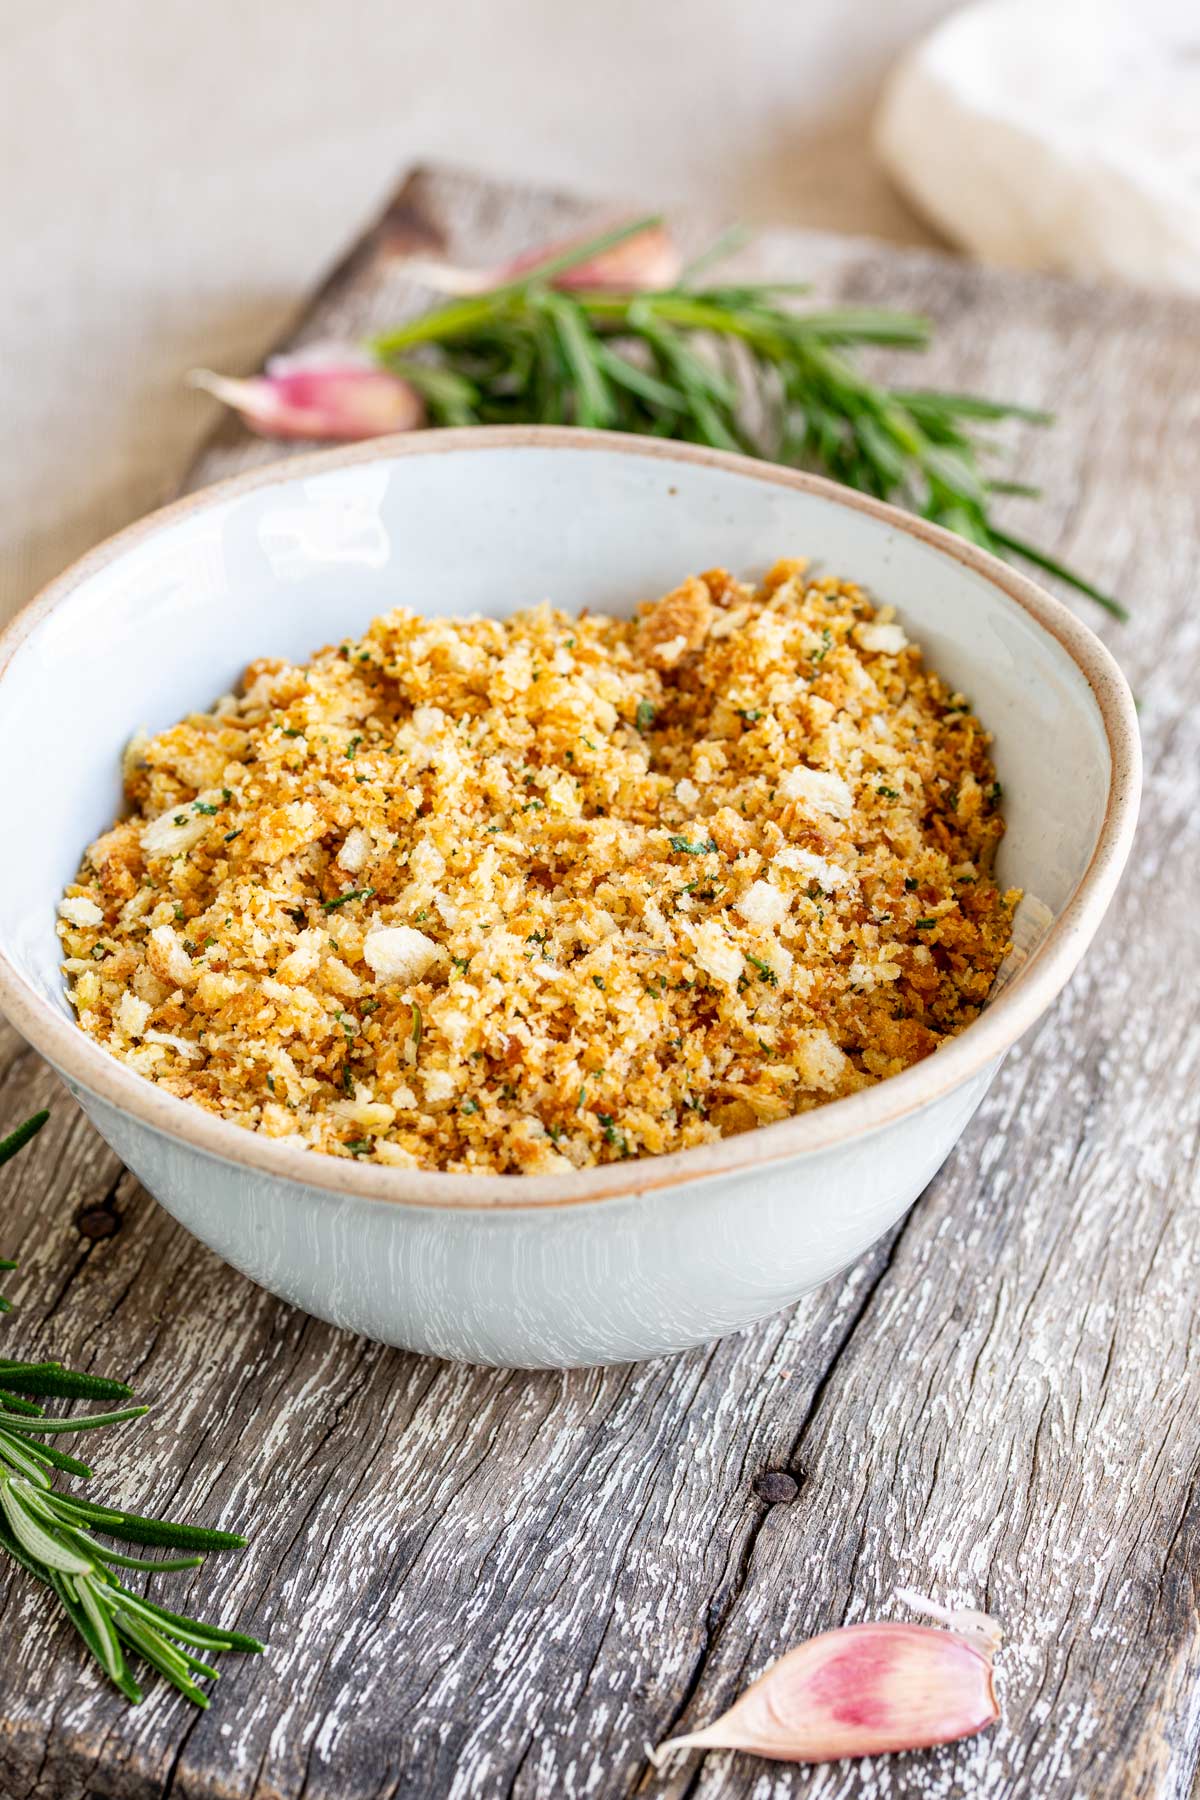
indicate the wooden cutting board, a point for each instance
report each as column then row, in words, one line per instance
column 479, row 1583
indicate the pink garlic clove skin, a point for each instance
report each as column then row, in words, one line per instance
column 865, row 1690
column 334, row 396
column 640, row 264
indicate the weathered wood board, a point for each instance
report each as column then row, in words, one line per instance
column 480, row 1583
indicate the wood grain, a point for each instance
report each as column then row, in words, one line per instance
column 480, row 1583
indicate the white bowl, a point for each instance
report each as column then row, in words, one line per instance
column 631, row 1259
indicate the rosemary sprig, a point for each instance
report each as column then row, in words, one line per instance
column 52, row 1534
column 728, row 365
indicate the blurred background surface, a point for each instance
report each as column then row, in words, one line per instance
column 174, row 177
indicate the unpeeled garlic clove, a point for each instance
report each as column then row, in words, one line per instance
column 864, row 1690
column 327, row 393
column 641, row 263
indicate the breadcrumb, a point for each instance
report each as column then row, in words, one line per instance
column 538, row 893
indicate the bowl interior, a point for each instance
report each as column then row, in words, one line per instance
column 167, row 623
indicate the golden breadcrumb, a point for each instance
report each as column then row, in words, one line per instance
column 529, row 893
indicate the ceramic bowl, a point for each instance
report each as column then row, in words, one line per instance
column 614, row 1263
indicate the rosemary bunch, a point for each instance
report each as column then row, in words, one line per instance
column 52, row 1534
column 733, row 366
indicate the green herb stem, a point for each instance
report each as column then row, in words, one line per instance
column 52, row 1535
column 730, row 365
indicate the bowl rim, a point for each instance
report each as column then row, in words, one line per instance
column 80, row 1060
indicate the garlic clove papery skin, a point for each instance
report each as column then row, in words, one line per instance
column 332, row 395
column 643, row 263
column 864, row 1690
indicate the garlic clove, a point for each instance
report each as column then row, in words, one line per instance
column 864, row 1690
column 641, row 263
column 331, row 393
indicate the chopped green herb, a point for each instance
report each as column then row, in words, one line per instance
column 341, row 899
column 751, row 717
column 292, row 731
column 352, row 747
column 924, row 924
column 911, row 884
column 765, row 971
column 461, row 963
column 202, row 806
column 598, row 981
column 417, row 1027
column 230, row 835
column 612, row 1135
column 685, row 847
column 645, row 715
column 469, row 1106
column 359, row 1146
column 888, row 793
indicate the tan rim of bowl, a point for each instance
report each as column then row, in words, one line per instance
column 1016, row 1009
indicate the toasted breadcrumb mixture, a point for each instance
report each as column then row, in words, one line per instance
column 543, row 892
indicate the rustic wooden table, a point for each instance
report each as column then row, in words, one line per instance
column 482, row 1583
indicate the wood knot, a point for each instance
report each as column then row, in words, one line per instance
column 96, row 1222
column 776, row 1487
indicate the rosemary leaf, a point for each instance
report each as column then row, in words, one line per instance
column 731, row 364
column 17, row 1140
column 63, row 1384
column 52, row 1535
column 90, row 1422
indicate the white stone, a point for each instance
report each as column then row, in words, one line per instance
column 1054, row 134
